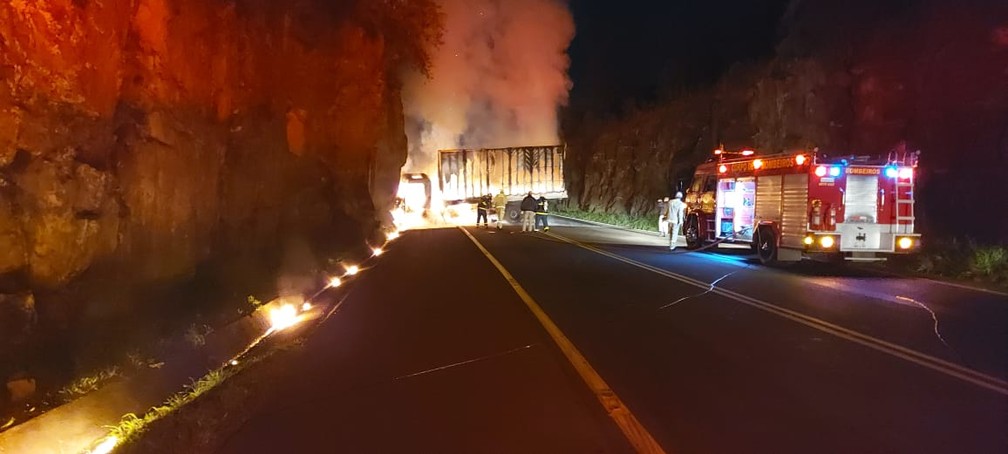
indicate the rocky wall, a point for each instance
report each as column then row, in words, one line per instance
column 140, row 139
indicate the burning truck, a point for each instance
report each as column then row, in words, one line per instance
column 464, row 175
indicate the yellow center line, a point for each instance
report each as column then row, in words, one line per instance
column 632, row 429
column 936, row 364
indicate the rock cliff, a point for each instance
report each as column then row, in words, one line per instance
column 142, row 139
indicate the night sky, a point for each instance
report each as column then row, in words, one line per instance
column 636, row 51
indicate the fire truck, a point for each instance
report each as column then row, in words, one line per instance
column 794, row 205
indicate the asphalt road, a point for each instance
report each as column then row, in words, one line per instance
column 433, row 350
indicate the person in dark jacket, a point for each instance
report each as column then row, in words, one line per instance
column 542, row 214
column 528, row 206
column 481, row 210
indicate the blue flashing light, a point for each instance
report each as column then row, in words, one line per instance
column 834, row 171
column 891, row 172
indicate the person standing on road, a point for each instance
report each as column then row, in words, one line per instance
column 676, row 211
column 662, row 223
column 528, row 206
column 481, row 210
column 500, row 205
column 542, row 213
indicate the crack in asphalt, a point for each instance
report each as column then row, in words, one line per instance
column 710, row 289
column 933, row 317
column 463, row 363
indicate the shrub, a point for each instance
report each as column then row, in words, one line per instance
column 989, row 261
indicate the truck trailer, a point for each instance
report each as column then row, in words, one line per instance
column 465, row 175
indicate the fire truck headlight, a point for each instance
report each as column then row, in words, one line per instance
column 820, row 171
column 834, row 171
column 905, row 173
column 808, row 241
column 905, row 242
column 826, row 242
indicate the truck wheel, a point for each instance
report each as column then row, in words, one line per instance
column 692, row 232
column 766, row 245
column 513, row 214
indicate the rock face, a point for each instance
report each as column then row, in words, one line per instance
column 853, row 77
column 146, row 137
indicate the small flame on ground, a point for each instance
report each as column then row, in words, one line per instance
column 106, row 446
column 392, row 235
column 234, row 362
column 283, row 317
column 352, row 270
column 306, row 306
column 377, row 251
column 335, row 282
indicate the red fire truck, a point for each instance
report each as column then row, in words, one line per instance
column 791, row 205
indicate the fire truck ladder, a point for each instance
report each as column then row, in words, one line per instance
column 905, row 199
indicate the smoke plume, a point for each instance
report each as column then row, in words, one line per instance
column 497, row 80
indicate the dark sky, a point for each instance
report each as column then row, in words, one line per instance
column 634, row 50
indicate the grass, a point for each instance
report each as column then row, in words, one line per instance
column 619, row 219
column 87, row 384
column 132, row 426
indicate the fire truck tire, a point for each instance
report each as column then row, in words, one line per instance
column 691, row 230
column 766, row 245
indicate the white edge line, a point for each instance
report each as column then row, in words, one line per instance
column 922, row 359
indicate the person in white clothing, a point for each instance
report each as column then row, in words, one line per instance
column 676, row 211
column 662, row 224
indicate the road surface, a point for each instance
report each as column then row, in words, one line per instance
column 441, row 348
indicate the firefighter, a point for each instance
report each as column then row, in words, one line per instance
column 674, row 216
column 500, row 204
column 528, row 206
column 662, row 222
column 481, row 210
column 542, row 213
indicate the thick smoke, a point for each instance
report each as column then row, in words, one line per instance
column 497, row 80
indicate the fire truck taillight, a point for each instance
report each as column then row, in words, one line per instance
column 820, row 171
column 722, row 169
column 905, row 242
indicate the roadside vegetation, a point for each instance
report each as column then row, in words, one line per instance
column 132, row 426
column 622, row 220
column 964, row 259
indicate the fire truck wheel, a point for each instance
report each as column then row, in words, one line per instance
column 692, row 232
column 766, row 245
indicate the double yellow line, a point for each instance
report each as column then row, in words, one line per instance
column 936, row 364
column 632, row 429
